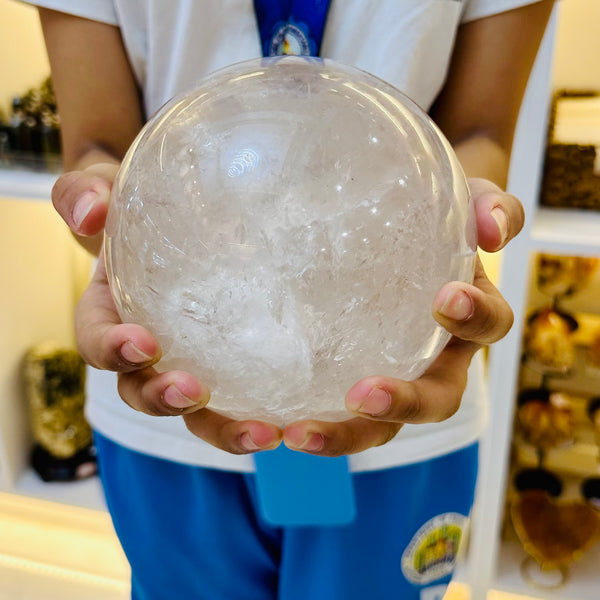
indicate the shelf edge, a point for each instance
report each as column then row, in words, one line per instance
column 26, row 184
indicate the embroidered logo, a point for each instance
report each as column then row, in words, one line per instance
column 291, row 39
column 432, row 551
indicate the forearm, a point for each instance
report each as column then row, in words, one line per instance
column 478, row 107
column 101, row 113
column 481, row 156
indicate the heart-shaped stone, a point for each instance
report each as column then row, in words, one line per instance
column 554, row 533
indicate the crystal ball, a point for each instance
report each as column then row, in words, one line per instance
column 282, row 230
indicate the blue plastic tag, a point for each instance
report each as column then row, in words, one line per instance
column 298, row 489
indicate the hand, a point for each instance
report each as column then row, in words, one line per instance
column 82, row 199
column 474, row 314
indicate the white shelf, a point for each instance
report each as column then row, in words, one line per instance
column 566, row 231
column 495, row 563
column 582, row 583
column 86, row 493
column 33, row 185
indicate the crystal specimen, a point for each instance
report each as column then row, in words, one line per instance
column 282, row 231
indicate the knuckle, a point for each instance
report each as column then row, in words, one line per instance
column 389, row 432
column 234, row 449
column 126, row 397
column 449, row 407
column 153, row 410
column 486, row 327
column 90, row 354
column 340, row 445
column 494, row 325
column 410, row 406
column 132, row 392
column 108, row 357
column 199, row 424
column 193, row 426
column 509, row 319
column 350, row 444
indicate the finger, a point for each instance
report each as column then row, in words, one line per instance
column 338, row 439
column 433, row 397
column 103, row 341
column 236, row 437
column 162, row 394
column 500, row 215
column 476, row 313
column 82, row 197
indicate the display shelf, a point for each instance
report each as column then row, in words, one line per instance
column 504, row 356
column 580, row 458
column 495, row 562
column 21, row 183
column 581, row 583
column 40, row 265
column 566, row 231
column 572, row 462
column 582, row 381
column 86, row 493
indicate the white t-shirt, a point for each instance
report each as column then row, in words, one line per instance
column 172, row 44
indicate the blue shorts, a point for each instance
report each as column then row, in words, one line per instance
column 192, row 533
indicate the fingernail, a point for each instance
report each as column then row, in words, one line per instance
column 377, row 402
column 83, row 206
column 173, row 397
column 501, row 219
column 248, row 443
column 456, row 305
column 133, row 355
column 313, row 442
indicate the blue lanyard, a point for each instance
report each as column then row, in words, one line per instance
column 291, row 26
column 293, row 488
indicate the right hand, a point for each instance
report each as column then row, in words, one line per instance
column 104, row 342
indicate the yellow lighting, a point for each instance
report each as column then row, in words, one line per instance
column 496, row 595
column 46, row 570
column 60, row 542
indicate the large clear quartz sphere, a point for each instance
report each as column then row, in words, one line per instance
column 282, row 230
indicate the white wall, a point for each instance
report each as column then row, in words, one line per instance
column 24, row 63
column 37, row 301
column 577, row 55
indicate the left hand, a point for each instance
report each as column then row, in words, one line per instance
column 475, row 315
